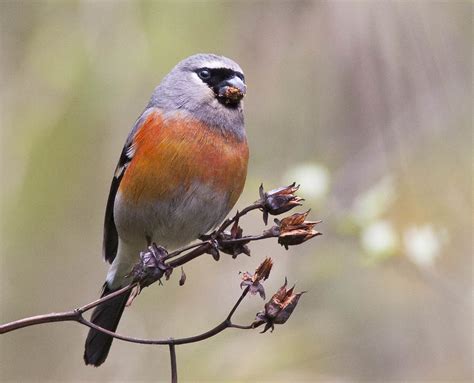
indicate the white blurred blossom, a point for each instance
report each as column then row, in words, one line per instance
column 423, row 244
column 379, row 239
column 374, row 202
column 313, row 177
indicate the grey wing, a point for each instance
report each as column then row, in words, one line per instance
column 110, row 241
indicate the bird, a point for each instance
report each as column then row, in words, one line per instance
column 181, row 170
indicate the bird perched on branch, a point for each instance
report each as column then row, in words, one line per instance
column 181, row 171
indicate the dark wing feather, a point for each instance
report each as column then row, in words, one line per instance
column 110, row 243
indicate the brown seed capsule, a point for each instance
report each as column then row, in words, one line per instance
column 295, row 230
column 233, row 249
column 278, row 201
column 278, row 309
column 253, row 281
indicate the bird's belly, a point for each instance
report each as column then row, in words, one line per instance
column 173, row 222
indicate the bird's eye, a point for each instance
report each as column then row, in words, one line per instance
column 204, row 74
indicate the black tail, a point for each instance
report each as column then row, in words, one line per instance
column 106, row 315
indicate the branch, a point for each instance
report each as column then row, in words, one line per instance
column 73, row 315
column 226, row 323
column 77, row 316
column 174, row 368
column 238, row 215
column 157, row 262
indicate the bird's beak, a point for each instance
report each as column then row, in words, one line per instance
column 232, row 90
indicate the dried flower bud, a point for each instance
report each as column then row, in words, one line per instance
column 233, row 249
column 278, row 309
column 295, row 230
column 278, row 201
column 253, row 281
column 263, row 271
column 182, row 279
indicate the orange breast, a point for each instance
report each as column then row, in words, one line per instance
column 173, row 154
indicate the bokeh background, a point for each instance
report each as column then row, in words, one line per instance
column 366, row 104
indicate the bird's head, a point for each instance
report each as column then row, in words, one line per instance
column 209, row 86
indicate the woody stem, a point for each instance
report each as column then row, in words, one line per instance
column 174, row 368
column 237, row 216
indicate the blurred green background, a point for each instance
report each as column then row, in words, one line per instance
column 366, row 104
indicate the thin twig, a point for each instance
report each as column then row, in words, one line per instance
column 76, row 316
column 97, row 302
column 205, row 246
column 249, row 238
column 226, row 323
column 39, row 319
column 239, row 301
column 183, row 249
column 246, row 327
column 238, row 215
column 174, row 369
column 73, row 315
